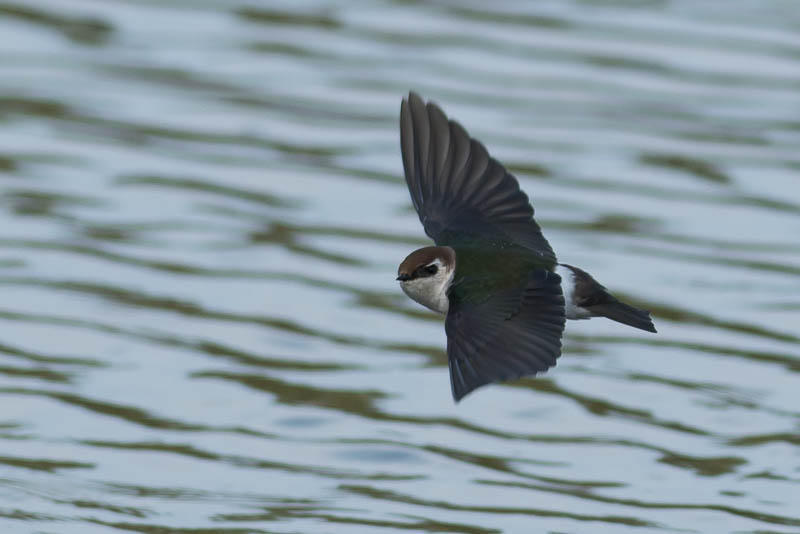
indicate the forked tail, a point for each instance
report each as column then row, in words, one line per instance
column 617, row 310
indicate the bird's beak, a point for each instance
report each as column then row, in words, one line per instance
column 403, row 277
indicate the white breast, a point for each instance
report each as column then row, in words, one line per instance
column 431, row 292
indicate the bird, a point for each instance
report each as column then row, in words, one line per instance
column 491, row 272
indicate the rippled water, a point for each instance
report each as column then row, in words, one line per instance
column 201, row 214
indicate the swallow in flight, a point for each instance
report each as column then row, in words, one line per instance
column 492, row 272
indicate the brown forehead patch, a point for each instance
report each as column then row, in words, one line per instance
column 424, row 256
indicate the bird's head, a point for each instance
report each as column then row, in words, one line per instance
column 425, row 275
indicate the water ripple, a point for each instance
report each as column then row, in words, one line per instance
column 202, row 210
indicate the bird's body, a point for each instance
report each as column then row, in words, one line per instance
column 492, row 272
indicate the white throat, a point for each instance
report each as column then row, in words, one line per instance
column 431, row 291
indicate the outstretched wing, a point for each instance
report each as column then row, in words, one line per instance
column 457, row 188
column 510, row 334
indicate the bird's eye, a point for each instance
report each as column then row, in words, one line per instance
column 431, row 269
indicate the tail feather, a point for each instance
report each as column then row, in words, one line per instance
column 625, row 314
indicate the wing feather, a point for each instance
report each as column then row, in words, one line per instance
column 457, row 187
column 513, row 333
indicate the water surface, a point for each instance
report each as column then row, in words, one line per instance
column 201, row 213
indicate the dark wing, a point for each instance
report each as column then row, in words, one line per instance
column 513, row 333
column 457, row 187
